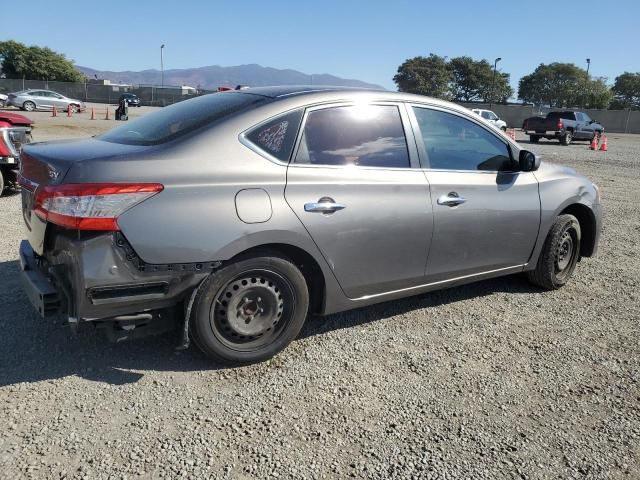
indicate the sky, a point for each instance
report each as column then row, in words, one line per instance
column 364, row 40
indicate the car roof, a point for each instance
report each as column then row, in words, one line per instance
column 289, row 90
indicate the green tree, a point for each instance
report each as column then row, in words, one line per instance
column 425, row 75
column 36, row 63
column 473, row 80
column 626, row 91
column 563, row 85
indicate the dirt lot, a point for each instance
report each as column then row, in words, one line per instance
column 492, row 380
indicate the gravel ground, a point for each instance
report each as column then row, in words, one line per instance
column 491, row 380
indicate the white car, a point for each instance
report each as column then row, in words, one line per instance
column 3, row 99
column 491, row 117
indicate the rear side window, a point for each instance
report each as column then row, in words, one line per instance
column 363, row 135
column 455, row 143
column 277, row 136
column 182, row 118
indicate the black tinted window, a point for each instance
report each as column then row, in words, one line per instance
column 277, row 136
column 455, row 143
column 367, row 135
column 181, row 118
column 564, row 115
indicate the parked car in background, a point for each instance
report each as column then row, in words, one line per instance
column 15, row 131
column 284, row 201
column 132, row 99
column 31, row 100
column 492, row 118
column 3, row 99
column 565, row 127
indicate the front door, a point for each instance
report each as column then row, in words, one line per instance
column 353, row 185
column 486, row 214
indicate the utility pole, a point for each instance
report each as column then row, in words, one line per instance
column 493, row 81
column 161, row 65
column 588, row 65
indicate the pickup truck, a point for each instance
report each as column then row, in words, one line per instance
column 563, row 126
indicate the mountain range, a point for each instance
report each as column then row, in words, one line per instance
column 214, row 76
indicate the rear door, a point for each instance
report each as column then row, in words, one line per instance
column 355, row 183
column 486, row 214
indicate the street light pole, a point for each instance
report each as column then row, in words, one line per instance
column 587, row 83
column 493, row 81
column 161, row 65
column 588, row 65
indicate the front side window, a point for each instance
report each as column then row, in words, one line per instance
column 359, row 135
column 455, row 143
column 486, row 115
column 277, row 136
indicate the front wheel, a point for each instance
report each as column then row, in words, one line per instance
column 2, row 182
column 73, row 108
column 559, row 254
column 250, row 310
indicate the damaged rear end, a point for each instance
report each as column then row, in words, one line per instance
column 76, row 260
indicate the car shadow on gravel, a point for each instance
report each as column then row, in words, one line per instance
column 33, row 349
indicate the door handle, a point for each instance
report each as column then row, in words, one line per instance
column 324, row 205
column 451, row 199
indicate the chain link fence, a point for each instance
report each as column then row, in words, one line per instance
column 153, row 95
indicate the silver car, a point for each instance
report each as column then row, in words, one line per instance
column 238, row 213
column 31, row 100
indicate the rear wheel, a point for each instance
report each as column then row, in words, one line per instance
column 2, row 183
column 250, row 310
column 559, row 254
column 29, row 106
column 534, row 138
column 566, row 138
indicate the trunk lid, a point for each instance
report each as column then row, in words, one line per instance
column 47, row 163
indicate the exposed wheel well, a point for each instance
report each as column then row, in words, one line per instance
column 587, row 226
column 307, row 265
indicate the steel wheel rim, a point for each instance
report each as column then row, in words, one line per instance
column 252, row 310
column 565, row 253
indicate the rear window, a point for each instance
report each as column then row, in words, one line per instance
column 564, row 115
column 181, row 118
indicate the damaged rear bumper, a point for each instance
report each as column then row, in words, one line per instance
column 99, row 277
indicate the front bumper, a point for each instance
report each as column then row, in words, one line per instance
column 96, row 278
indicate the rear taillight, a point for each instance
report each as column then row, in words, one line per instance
column 90, row 206
column 560, row 125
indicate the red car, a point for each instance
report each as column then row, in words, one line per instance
column 15, row 130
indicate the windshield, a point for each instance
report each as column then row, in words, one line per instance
column 181, row 118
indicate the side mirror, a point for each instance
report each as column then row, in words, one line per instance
column 528, row 161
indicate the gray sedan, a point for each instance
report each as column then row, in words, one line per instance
column 236, row 214
column 31, row 100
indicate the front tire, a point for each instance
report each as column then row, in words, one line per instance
column 73, row 108
column 29, row 106
column 250, row 310
column 559, row 254
column 2, row 182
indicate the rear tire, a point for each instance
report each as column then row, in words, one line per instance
column 29, row 106
column 534, row 138
column 250, row 310
column 566, row 139
column 559, row 254
column 2, row 182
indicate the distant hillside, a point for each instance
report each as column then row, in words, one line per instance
column 214, row 76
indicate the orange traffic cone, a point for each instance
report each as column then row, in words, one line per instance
column 594, row 142
column 93, row 114
column 106, row 117
column 54, row 113
column 604, row 147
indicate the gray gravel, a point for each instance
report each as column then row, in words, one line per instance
column 492, row 380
